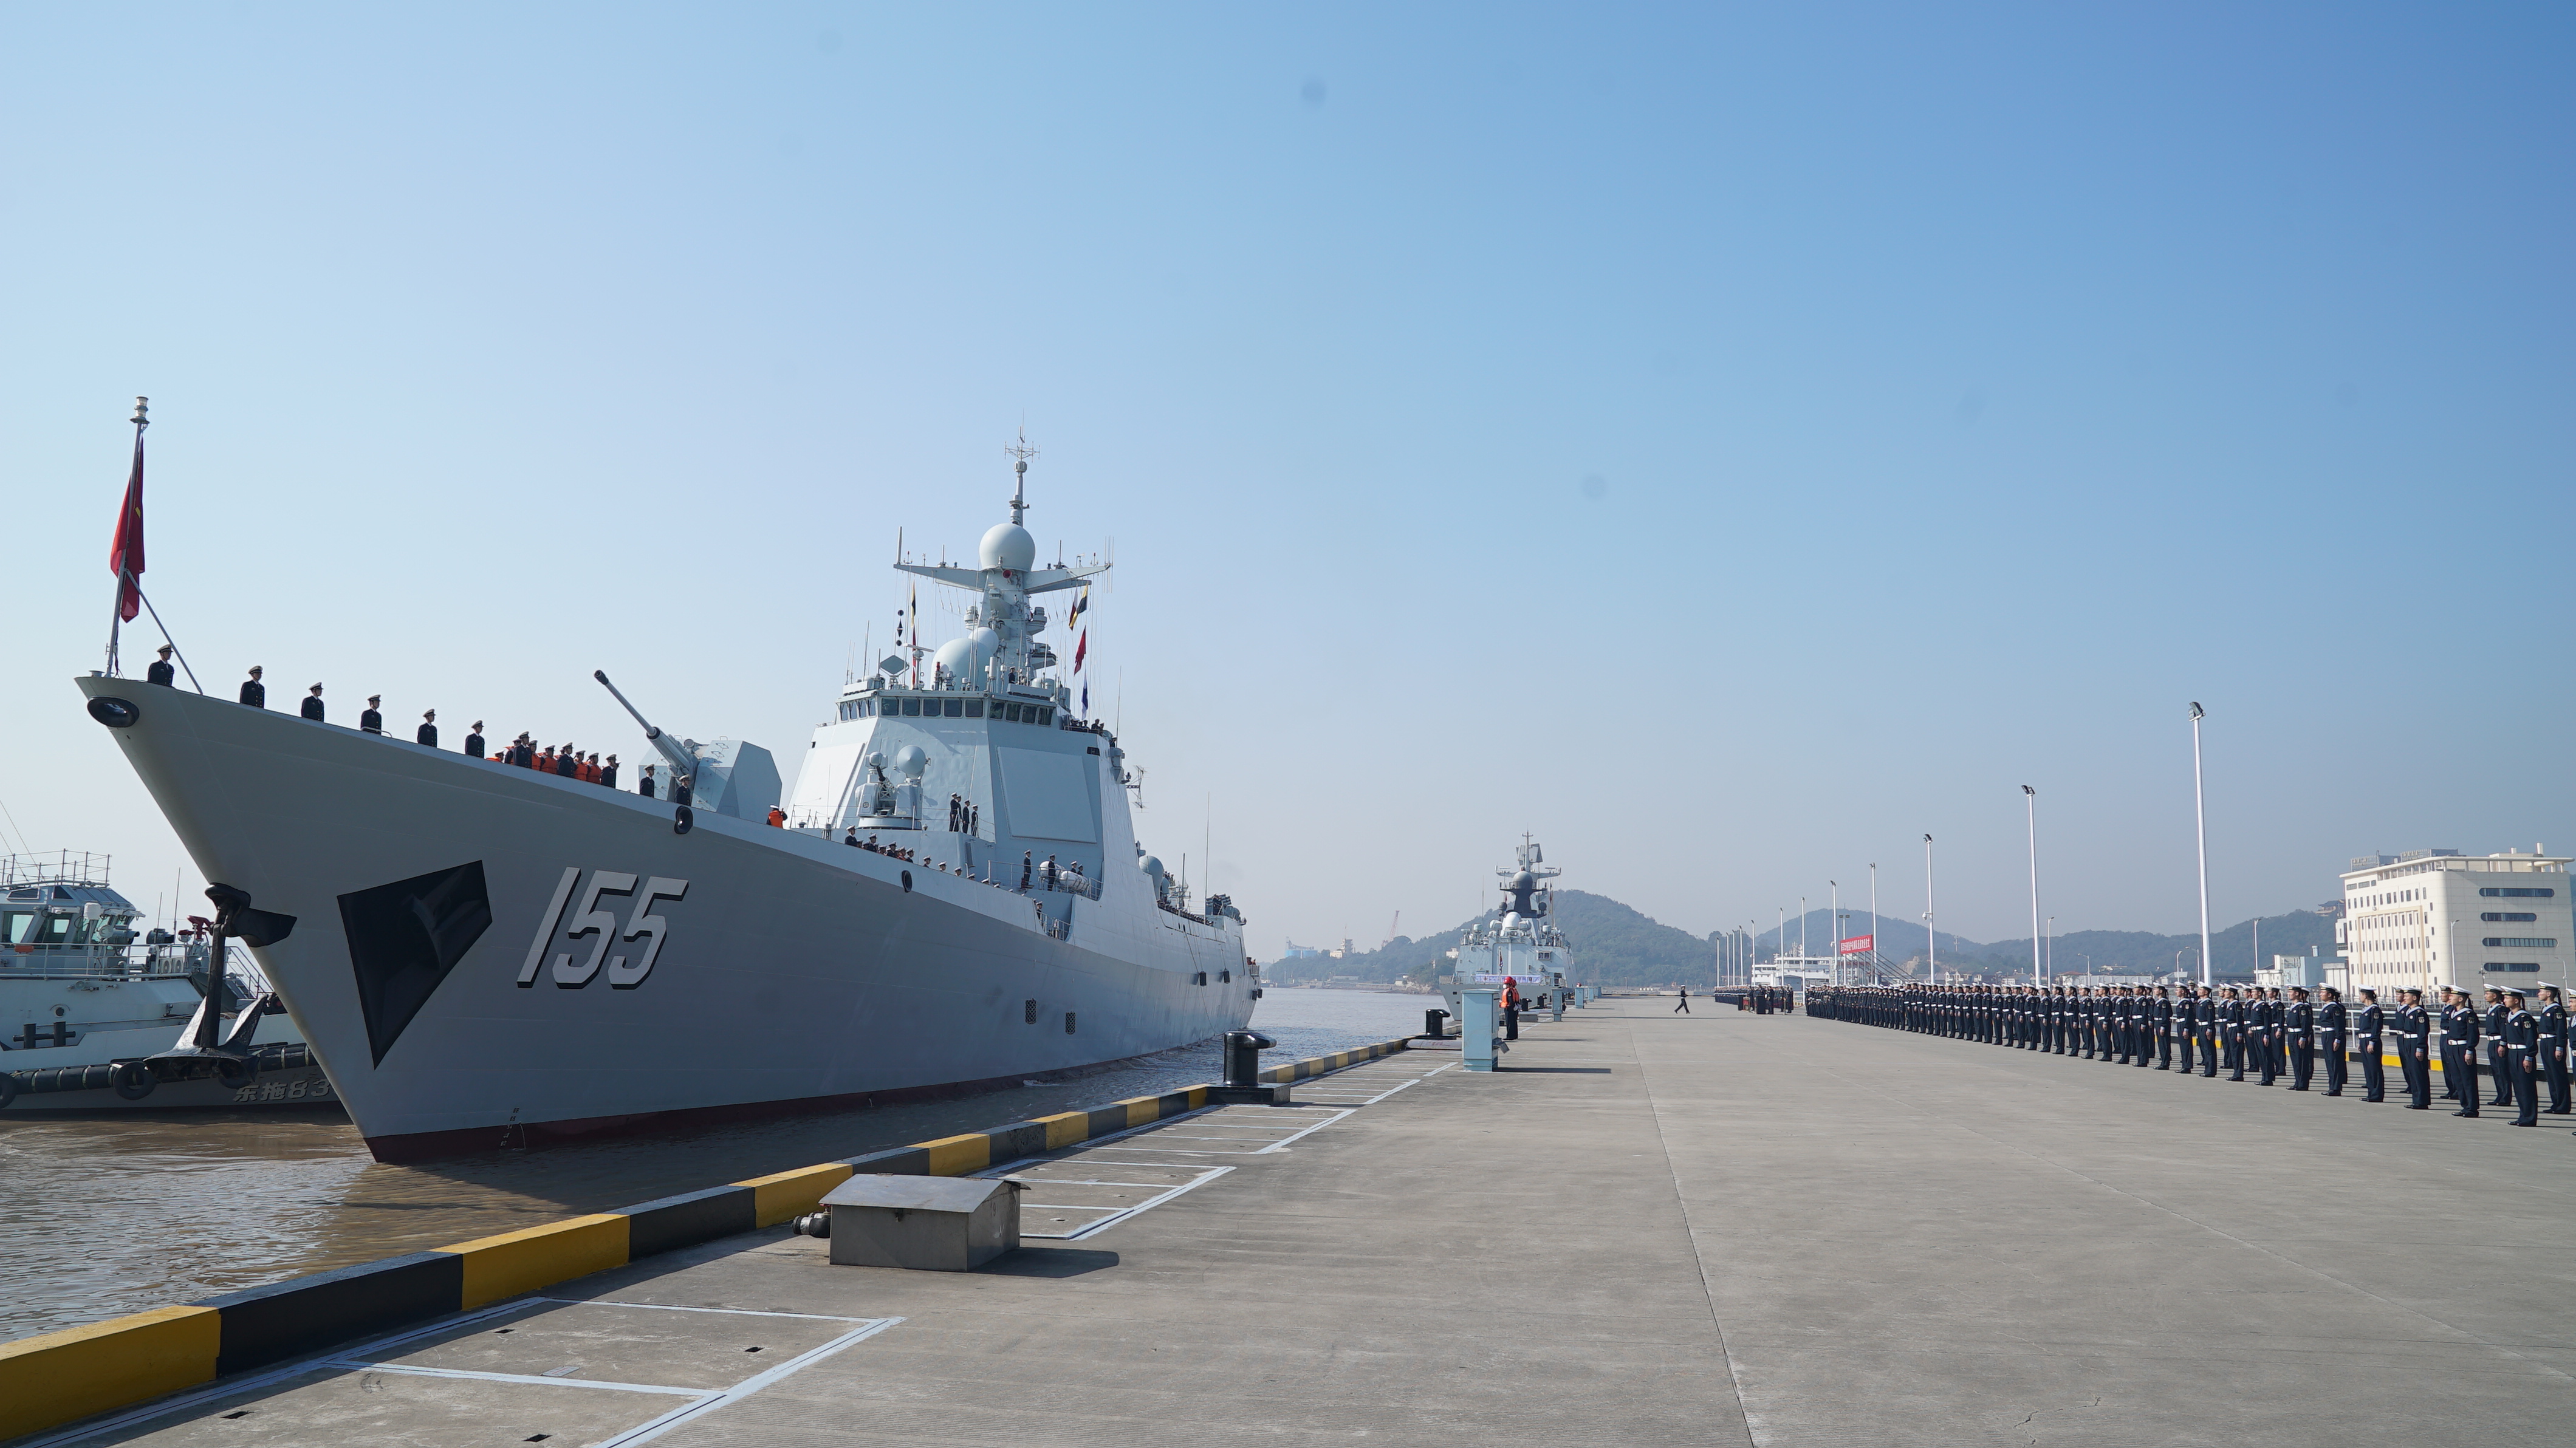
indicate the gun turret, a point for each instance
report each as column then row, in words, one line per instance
column 681, row 759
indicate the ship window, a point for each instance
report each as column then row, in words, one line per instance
column 1046, row 716
column 1029, row 1012
column 57, row 929
column 974, row 708
column 15, row 926
column 863, row 708
column 911, row 708
column 955, row 708
column 1011, row 713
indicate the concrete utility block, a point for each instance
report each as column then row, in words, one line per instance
column 930, row 1224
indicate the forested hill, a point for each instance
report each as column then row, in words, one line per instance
column 1613, row 945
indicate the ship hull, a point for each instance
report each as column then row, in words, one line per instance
column 546, row 988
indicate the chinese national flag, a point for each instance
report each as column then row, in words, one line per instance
column 125, row 555
column 1081, row 646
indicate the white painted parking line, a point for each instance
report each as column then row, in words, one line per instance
column 366, row 1357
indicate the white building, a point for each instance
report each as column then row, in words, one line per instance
column 2433, row 918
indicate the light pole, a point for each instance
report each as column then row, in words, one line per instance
column 2030, row 799
column 1834, row 909
column 1873, row 911
column 1931, row 922
column 1802, row 931
column 2047, row 938
column 2200, row 824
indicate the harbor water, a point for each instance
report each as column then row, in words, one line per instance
column 113, row 1214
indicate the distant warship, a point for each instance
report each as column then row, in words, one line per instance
column 1520, row 944
column 480, row 953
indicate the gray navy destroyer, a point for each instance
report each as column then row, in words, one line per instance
column 481, row 954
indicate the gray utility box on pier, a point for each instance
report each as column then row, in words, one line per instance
column 930, row 1224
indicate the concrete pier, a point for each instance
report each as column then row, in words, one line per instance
column 1644, row 1228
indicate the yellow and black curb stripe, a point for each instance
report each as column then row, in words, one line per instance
column 56, row 1377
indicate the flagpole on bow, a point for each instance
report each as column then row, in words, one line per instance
column 125, row 552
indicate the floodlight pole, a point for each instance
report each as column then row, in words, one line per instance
column 1931, row 922
column 2200, row 824
column 2030, row 798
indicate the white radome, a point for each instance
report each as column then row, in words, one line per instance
column 1008, row 545
column 910, row 761
column 952, row 657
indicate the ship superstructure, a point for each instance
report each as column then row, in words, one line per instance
column 1518, row 945
column 482, row 953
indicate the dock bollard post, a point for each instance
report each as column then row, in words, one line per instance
column 1435, row 1025
column 1243, row 1085
column 1477, row 1020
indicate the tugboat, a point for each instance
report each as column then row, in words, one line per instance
column 85, row 1002
column 1520, row 945
column 950, row 897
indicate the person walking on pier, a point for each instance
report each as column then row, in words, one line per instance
column 2366, row 1023
column 253, row 692
column 1683, row 1006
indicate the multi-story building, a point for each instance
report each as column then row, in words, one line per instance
column 2433, row 918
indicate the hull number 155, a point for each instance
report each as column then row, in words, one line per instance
column 624, row 971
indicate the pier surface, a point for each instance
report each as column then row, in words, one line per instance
column 1650, row 1228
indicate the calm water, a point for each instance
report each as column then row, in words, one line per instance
column 109, row 1215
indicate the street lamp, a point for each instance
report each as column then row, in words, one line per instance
column 2048, row 938
column 2200, row 823
column 2030, row 799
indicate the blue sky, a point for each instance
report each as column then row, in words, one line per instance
column 1728, row 443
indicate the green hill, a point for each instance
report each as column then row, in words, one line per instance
column 1613, row 945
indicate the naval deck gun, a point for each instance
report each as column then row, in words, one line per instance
column 728, row 777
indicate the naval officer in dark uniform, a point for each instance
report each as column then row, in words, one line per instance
column 2553, row 1048
column 2414, row 1025
column 2521, row 1058
column 253, row 692
column 2491, row 1026
column 161, row 672
column 2366, row 1023
column 2331, row 1039
column 312, row 705
column 2299, row 1038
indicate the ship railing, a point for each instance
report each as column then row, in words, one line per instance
column 1060, row 929
column 62, row 867
column 97, row 961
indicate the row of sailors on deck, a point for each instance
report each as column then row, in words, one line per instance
column 2274, row 1034
column 561, row 760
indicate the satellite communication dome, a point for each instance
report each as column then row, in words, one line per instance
column 1520, row 882
column 910, row 761
column 1008, row 545
column 1151, row 866
column 986, row 644
column 954, row 656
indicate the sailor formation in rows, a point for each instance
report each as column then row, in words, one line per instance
column 2271, row 1032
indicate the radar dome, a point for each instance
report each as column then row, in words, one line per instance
column 1008, row 545
column 956, row 657
column 1151, row 866
column 910, row 761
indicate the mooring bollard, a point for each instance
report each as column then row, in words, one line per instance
column 1435, row 1025
column 1476, row 1023
column 1243, row 1085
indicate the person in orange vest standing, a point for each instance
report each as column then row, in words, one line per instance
column 777, row 818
